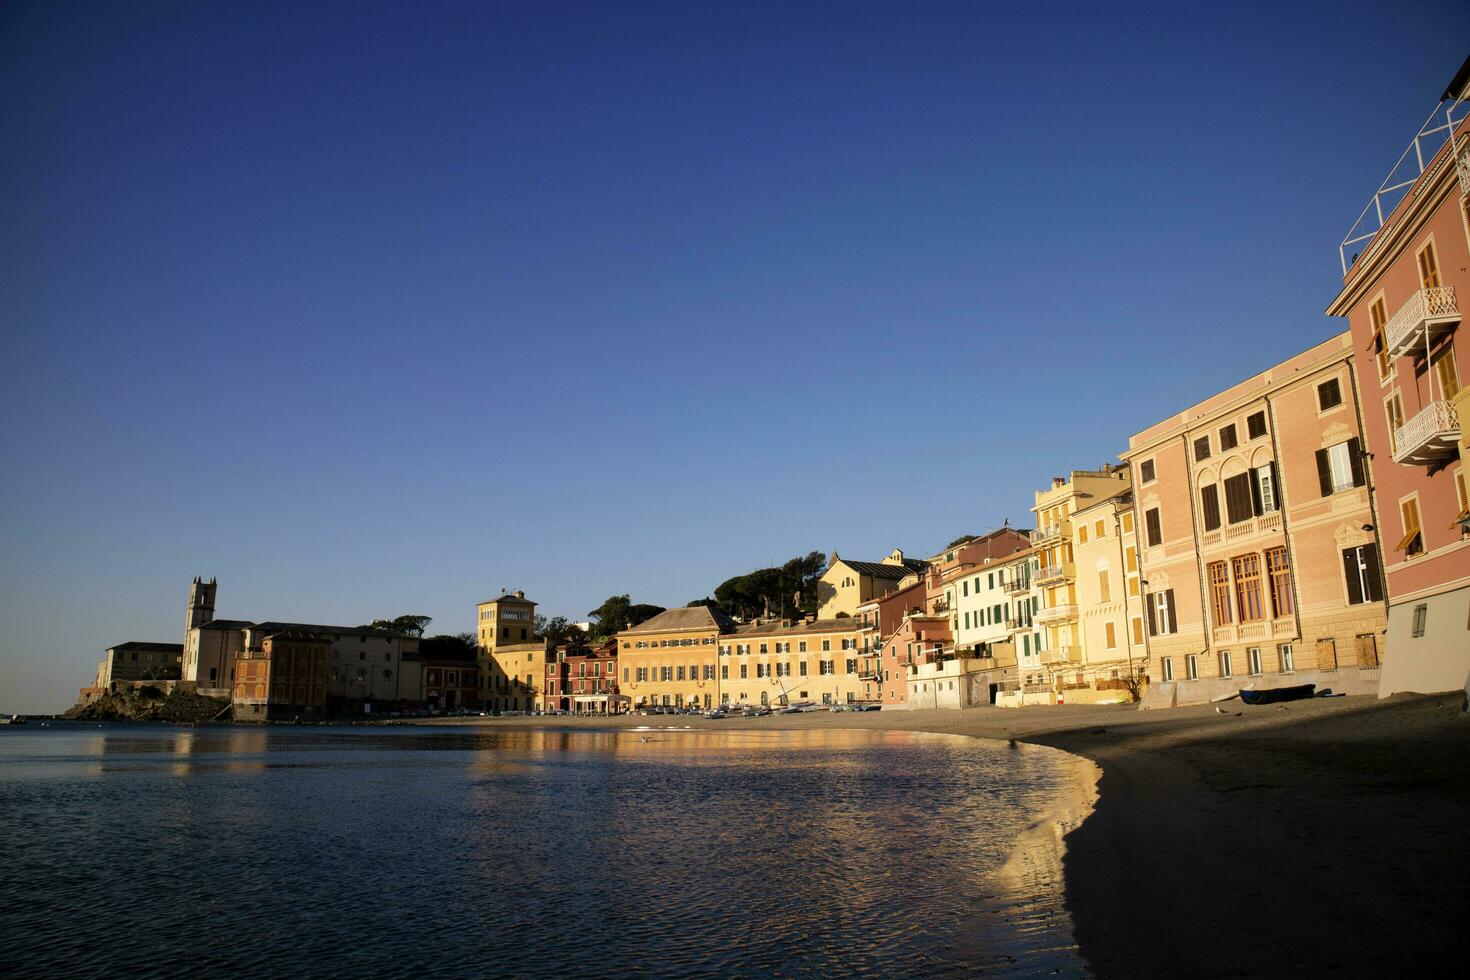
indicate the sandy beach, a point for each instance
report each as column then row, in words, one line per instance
column 1324, row 836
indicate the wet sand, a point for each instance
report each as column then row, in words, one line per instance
column 1319, row 836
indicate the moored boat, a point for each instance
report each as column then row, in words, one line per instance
column 1276, row 694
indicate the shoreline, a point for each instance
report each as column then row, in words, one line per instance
column 1321, row 835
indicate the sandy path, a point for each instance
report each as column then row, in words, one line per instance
column 1321, row 836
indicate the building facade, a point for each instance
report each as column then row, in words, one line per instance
column 847, row 584
column 139, row 661
column 281, row 674
column 1403, row 299
column 1256, row 538
column 784, row 663
column 511, row 660
column 672, row 659
column 582, row 678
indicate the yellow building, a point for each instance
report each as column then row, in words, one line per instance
column 511, row 661
column 1109, row 601
column 670, row 659
column 782, row 663
column 846, row 584
column 1058, row 616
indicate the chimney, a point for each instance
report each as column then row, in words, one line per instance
column 520, row 594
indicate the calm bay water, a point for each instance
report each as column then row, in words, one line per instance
column 491, row 851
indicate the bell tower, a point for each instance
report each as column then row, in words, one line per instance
column 201, row 603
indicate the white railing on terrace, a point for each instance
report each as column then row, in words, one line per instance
column 1050, row 572
column 1050, row 531
column 1403, row 330
column 1429, row 436
column 1054, row 613
column 1462, row 166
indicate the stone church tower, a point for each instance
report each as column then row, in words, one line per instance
column 201, row 604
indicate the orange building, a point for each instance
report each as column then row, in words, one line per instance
column 1256, row 538
column 1403, row 296
column 284, row 677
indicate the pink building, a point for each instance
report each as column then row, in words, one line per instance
column 1402, row 296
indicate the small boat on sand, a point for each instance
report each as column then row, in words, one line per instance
column 12, row 720
column 1277, row 694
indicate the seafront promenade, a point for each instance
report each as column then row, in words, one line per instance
column 1283, row 839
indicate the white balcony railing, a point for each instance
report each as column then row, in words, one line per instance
column 1430, row 312
column 1056, row 614
column 1052, row 532
column 1462, row 164
column 1430, row 437
column 1064, row 654
column 1055, row 573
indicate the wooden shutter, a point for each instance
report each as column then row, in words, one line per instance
column 1155, row 528
column 1238, row 498
column 1173, row 620
column 1153, row 629
column 1255, row 493
column 1372, row 575
column 1428, row 267
column 1209, row 498
column 1449, row 379
column 1324, row 473
column 1394, row 407
column 1276, row 487
column 1409, row 513
column 1355, row 460
column 1353, row 575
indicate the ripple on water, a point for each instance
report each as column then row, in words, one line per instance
column 402, row 851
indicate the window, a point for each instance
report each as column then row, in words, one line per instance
column 1128, row 523
column 1393, row 410
column 1462, row 497
column 1255, row 425
column 1285, row 658
column 1166, row 664
column 1264, row 495
column 1137, row 631
column 1209, row 505
column 1444, row 370
column 1112, row 637
column 1282, row 601
column 1421, row 614
column 1104, row 592
column 1253, row 661
column 1191, row 667
column 1225, row 670
column 1247, row 570
column 1428, row 266
column 826, row 645
column 851, row 666
column 1366, row 645
column 1161, row 613
column 1340, row 467
column 1219, row 577
column 1329, row 394
column 1227, row 438
column 1378, row 318
column 1412, row 543
column 1238, row 504
column 1201, row 448
column 1082, row 534
column 724, row 672
column 1360, row 569
column 1146, row 471
column 1155, row 529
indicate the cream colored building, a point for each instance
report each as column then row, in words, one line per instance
column 783, row 663
column 847, row 584
column 1109, row 602
column 670, row 660
column 511, row 661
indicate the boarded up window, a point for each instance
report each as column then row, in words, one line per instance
column 1367, row 649
column 1327, row 654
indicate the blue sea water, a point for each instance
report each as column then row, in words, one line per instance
column 488, row 851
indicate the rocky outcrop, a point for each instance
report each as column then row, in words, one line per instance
column 151, row 704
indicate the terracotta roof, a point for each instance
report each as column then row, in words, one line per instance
column 506, row 596
column 685, row 618
column 802, row 628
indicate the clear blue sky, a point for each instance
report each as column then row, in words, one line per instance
column 376, row 308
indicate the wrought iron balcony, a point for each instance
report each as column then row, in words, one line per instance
column 1056, row 614
column 1430, row 437
column 1051, row 574
column 1427, row 315
column 1015, row 586
column 1052, row 532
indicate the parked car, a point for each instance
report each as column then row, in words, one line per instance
column 715, row 713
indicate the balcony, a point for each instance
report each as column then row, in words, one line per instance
column 1068, row 653
column 1055, row 614
column 1015, row 586
column 1052, row 533
column 1053, row 574
column 1431, row 437
column 1428, row 315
